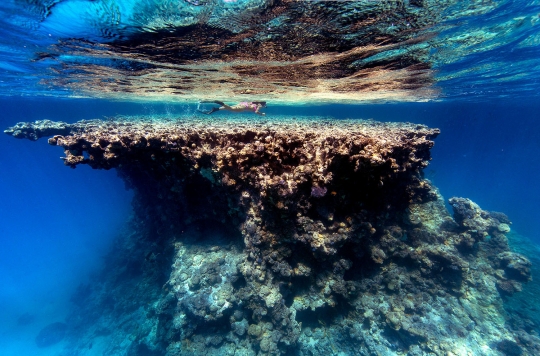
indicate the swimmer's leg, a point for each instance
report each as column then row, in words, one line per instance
column 214, row 109
column 208, row 112
column 223, row 106
column 212, row 102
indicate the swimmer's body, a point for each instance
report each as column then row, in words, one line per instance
column 253, row 106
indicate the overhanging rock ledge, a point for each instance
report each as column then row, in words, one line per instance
column 331, row 240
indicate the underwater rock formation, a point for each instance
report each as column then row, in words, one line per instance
column 51, row 334
column 41, row 128
column 290, row 236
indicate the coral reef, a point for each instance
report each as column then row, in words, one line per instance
column 290, row 236
column 41, row 128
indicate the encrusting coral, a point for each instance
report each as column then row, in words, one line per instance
column 292, row 236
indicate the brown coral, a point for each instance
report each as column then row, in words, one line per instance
column 321, row 220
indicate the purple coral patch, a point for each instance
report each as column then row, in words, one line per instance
column 318, row 192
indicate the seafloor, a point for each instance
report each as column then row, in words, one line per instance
column 289, row 237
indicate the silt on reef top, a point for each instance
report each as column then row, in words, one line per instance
column 290, row 237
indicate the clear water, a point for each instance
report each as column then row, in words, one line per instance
column 57, row 223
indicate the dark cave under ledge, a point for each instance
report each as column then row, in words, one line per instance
column 331, row 225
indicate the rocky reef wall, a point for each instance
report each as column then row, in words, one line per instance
column 289, row 237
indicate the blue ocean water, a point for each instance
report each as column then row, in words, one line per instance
column 58, row 223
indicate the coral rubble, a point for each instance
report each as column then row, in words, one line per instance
column 290, row 236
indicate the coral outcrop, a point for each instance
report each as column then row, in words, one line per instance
column 290, row 236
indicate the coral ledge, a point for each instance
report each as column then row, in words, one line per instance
column 288, row 237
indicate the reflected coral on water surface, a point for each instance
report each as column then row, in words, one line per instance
column 283, row 50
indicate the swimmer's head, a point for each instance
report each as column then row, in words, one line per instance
column 261, row 103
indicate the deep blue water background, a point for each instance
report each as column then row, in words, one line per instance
column 57, row 223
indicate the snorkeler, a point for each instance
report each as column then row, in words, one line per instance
column 253, row 106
